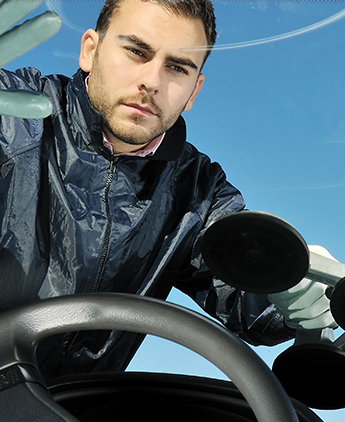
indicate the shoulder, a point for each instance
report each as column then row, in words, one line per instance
column 192, row 157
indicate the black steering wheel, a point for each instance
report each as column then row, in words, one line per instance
column 23, row 395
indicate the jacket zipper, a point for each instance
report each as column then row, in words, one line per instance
column 104, row 252
column 106, row 240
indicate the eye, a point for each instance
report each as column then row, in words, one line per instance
column 178, row 69
column 135, row 52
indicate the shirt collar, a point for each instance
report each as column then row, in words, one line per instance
column 147, row 151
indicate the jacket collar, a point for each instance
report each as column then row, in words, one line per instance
column 88, row 121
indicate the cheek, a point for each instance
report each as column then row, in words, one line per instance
column 179, row 95
column 111, row 67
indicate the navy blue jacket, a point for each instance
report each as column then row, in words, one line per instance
column 74, row 219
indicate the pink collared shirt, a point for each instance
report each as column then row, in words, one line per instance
column 146, row 151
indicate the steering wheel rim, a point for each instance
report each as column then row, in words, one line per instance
column 22, row 329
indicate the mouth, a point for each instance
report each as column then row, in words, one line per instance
column 145, row 111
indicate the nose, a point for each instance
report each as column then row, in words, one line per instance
column 150, row 78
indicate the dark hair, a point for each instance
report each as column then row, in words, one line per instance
column 197, row 9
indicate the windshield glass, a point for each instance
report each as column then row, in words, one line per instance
column 271, row 112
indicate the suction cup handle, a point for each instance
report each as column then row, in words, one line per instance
column 325, row 270
column 332, row 273
column 259, row 252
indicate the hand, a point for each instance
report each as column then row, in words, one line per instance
column 306, row 305
column 17, row 41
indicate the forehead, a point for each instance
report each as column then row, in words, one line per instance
column 160, row 28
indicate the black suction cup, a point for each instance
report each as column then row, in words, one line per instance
column 313, row 374
column 255, row 251
column 338, row 303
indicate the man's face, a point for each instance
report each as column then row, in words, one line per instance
column 144, row 73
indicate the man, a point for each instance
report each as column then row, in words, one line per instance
column 106, row 195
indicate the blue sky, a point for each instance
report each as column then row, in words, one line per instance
column 272, row 113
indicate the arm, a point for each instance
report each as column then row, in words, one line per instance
column 249, row 315
column 17, row 41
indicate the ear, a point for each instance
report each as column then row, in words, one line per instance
column 88, row 45
column 195, row 92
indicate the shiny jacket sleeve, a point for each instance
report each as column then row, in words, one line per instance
column 249, row 315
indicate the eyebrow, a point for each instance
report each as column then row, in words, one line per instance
column 183, row 62
column 133, row 39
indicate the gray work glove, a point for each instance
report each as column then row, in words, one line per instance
column 17, row 41
column 306, row 305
